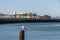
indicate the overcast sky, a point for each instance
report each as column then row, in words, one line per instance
column 41, row 7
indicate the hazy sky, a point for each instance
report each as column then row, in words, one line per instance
column 41, row 7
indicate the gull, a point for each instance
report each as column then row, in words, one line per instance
column 23, row 27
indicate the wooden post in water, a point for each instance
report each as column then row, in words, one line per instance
column 21, row 35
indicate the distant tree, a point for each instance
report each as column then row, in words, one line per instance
column 34, row 14
column 30, row 13
column 47, row 16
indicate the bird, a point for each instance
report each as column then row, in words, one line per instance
column 23, row 27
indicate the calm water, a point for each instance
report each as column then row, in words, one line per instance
column 35, row 31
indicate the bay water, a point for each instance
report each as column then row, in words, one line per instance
column 35, row 31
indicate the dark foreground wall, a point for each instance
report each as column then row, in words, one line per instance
column 7, row 20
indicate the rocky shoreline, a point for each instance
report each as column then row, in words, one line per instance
column 25, row 20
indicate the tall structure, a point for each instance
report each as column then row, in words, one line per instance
column 14, row 13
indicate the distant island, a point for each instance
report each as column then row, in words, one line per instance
column 25, row 17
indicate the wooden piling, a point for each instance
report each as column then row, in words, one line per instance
column 21, row 35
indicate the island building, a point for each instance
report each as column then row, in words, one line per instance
column 28, row 15
column 24, row 15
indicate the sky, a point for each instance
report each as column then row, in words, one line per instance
column 41, row 7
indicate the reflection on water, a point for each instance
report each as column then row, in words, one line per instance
column 36, row 31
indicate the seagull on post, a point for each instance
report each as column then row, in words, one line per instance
column 23, row 27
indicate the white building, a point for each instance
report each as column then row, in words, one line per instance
column 23, row 15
